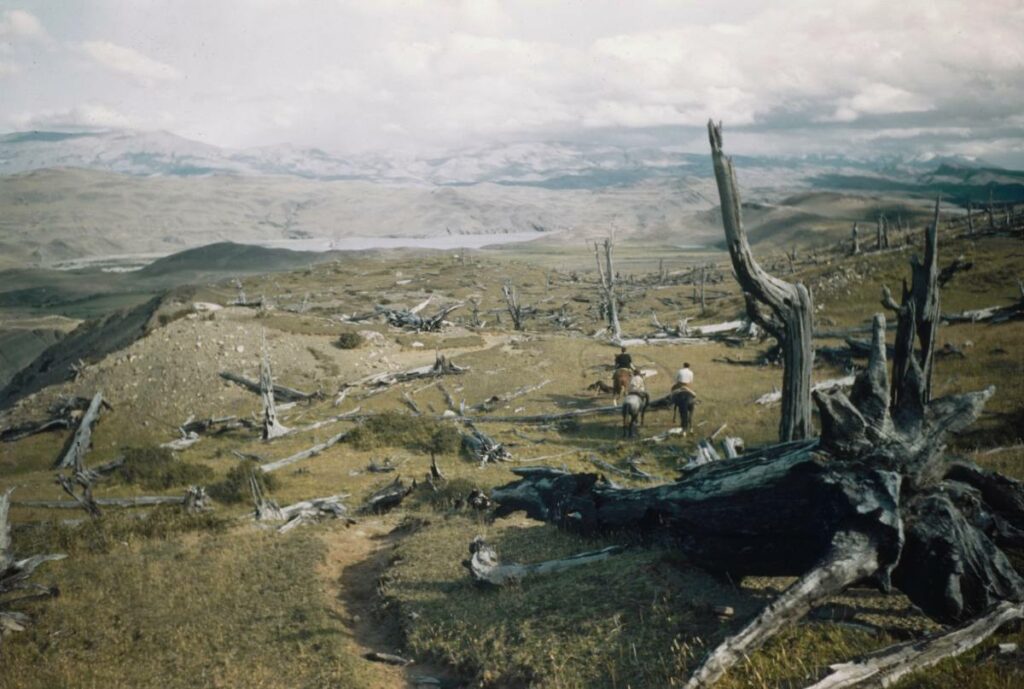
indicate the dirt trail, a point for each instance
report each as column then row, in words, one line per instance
column 356, row 558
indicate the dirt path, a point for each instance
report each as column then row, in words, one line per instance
column 356, row 558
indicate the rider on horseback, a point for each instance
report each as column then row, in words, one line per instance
column 623, row 360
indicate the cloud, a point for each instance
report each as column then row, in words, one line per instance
column 127, row 61
column 19, row 24
column 84, row 116
column 8, row 69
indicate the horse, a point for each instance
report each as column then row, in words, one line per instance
column 634, row 406
column 620, row 382
column 683, row 401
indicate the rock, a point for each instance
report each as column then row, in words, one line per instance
column 373, row 337
column 239, row 349
column 417, row 345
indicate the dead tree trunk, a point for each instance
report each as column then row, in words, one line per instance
column 918, row 315
column 991, row 212
column 855, row 241
column 790, row 304
column 606, row 275
column 72, row 456
column 512, row 302
column 272, row 428
column 703, row 278
column 970, row 219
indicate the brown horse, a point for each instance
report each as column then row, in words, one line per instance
column 620, row 383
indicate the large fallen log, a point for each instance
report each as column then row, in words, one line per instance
column 872, row 501
column 15, row 575
column 195, row 497
column 442, row 366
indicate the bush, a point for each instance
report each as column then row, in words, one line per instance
column 235, row 485
column 156, row 468
column 349, row 341
column 415, row 433
column 448, row 495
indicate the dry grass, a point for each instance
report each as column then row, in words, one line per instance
column 182, row 603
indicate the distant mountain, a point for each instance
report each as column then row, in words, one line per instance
column 549, row 165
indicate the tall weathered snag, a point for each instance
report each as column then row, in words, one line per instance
column 790, row 304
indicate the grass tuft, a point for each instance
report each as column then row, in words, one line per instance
column 157, row 468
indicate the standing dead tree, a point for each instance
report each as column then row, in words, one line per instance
column 272, row 428
column 855, row 241
column 918, row 315
column 790, row 304
column 512, row 302
column 606, row 277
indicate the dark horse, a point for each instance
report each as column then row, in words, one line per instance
column 683, row 401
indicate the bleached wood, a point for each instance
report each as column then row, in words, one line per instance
column 305, row 454
column 484, row 566
column 73, row 456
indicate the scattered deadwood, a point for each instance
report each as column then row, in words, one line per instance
column 634, row 472
column 790, row 304
column 387, row 658
column 24, row 430
column 992, row 314
column 280, row 391
column 485, row 568
column 874, row 500
column 412, row 320
column 74, row 453
column 515, row 310
column 314, row 510
column 15, row 588
column 305, row 454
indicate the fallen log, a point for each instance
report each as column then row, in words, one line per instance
column 491, row 402
column 280, row 391
column 138, row 501
column 633, row 473
column 442, row 366
column 15, row 433
column 483, row 448
column 387, row 498
column 484, row 566
column 74, row 453
column 305, row 454
column 872, row 501
column 888, row 666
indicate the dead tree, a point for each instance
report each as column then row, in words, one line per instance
column 881, row 234
column 272, row 428
column 79, row 444
column 15, row 589
column 918, row 315
column 790, row 304
column 512, row 302
column 855, row 241
column 990, row 210
column 970, row 219
column 874, row 501
column 606, row 276
column 703, row 278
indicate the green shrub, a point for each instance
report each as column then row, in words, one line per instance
column 156, row 468
column 235, row 485
column 448, row 495
column 416, row 433
column 349, row 340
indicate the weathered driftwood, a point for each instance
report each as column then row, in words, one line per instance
column 790, row 304
column 15, row 588
column 281, row 392
column 484, row 566
column 313, row 510
column 74, row 452
column 886, row 667
column 305, row 454
column 412, row 320
column 992, row 314
column 874, row 500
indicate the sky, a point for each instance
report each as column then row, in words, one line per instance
column 859, row 77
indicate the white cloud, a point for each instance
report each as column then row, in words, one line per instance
column 120, row 59
column 19, row 24
column 84, row 116
column 8, row 69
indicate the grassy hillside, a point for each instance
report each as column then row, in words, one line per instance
column 218, row 601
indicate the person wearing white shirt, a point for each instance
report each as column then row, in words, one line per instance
column 684, row 376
